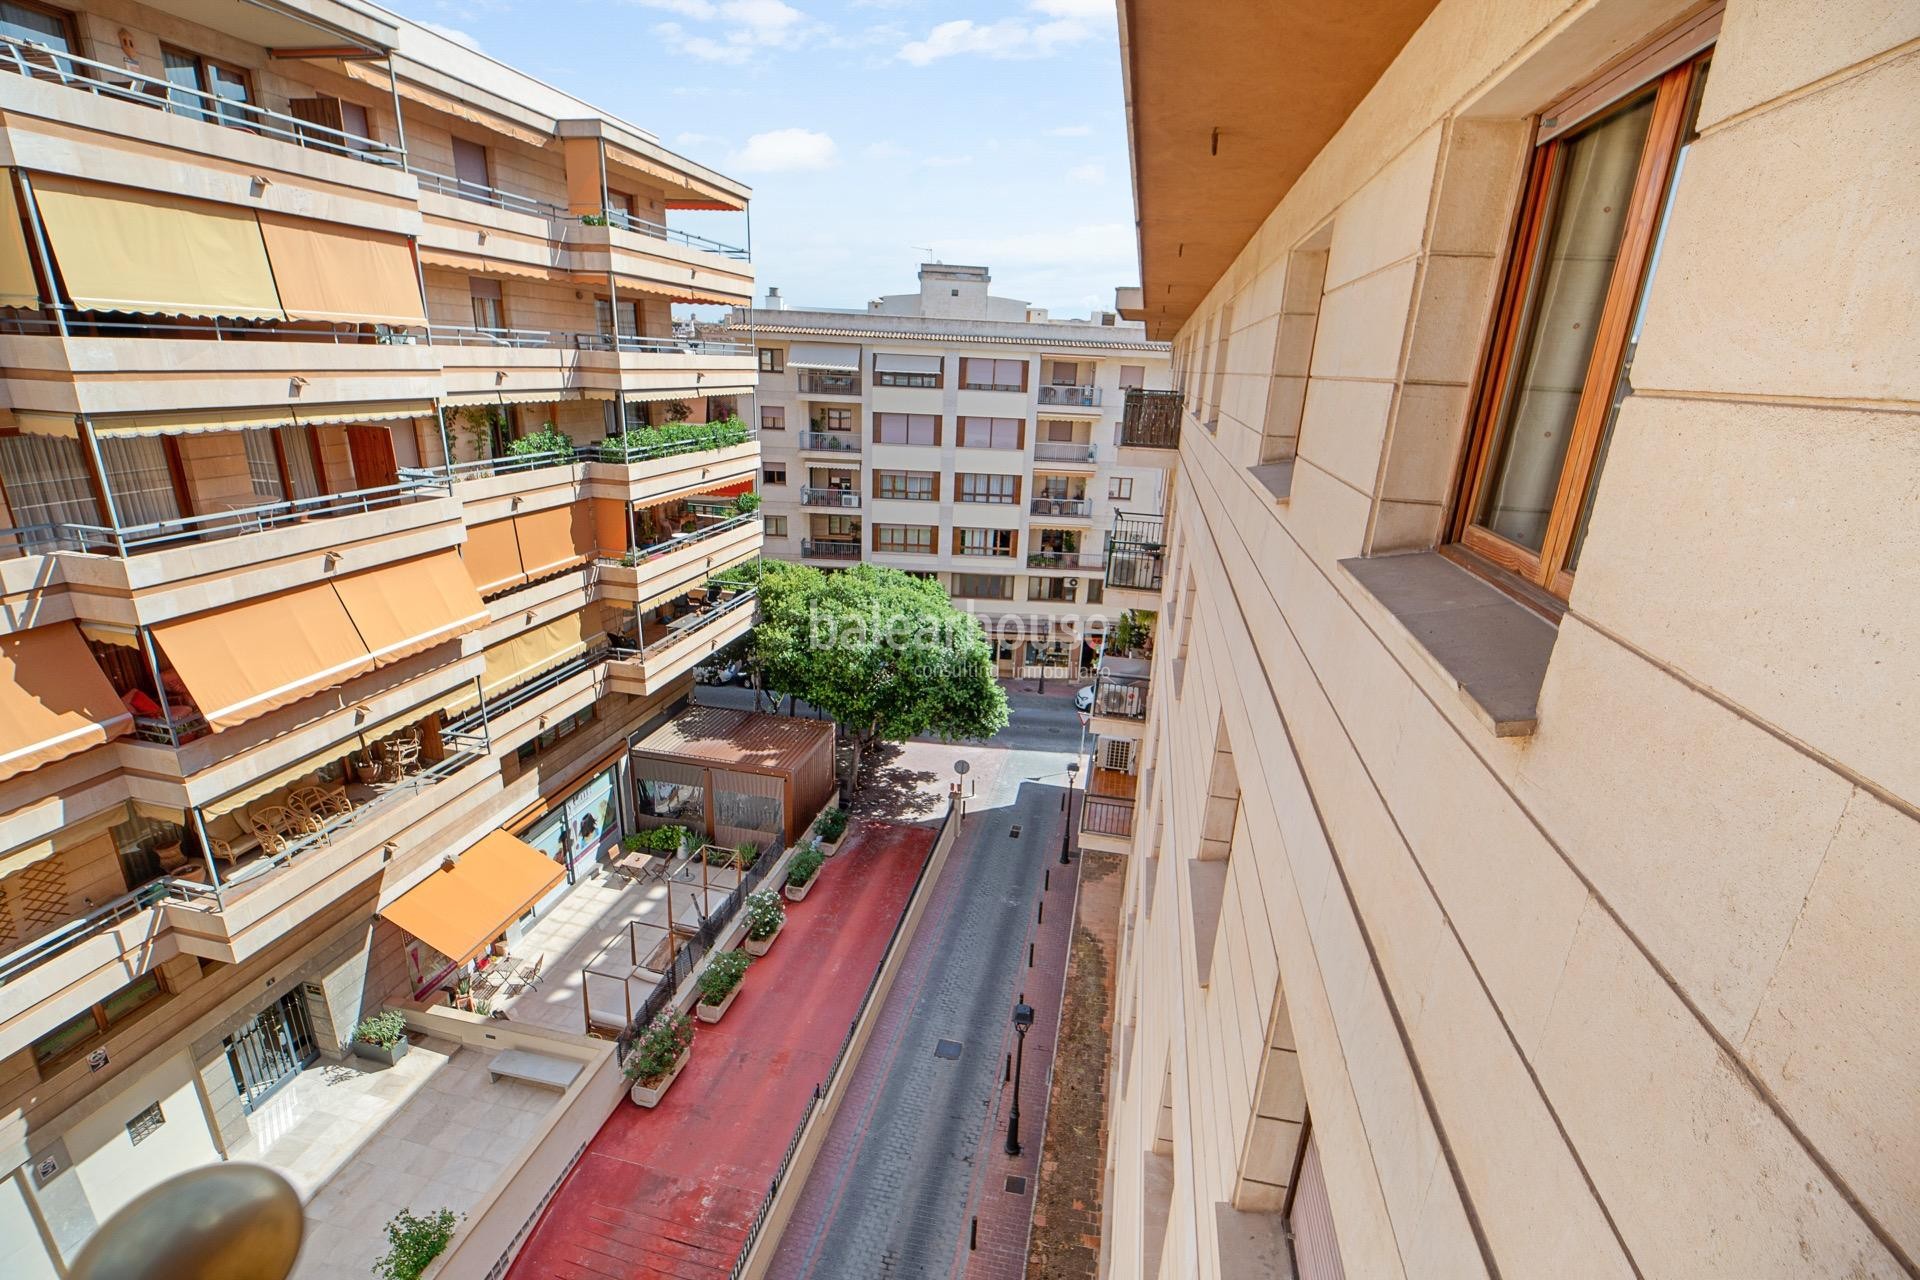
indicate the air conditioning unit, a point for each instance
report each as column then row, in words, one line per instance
column 1073, row 584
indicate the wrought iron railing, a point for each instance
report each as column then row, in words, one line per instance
column 682, row 541
column 1136, row 552
column 1077, row 397
column 1106, row 816
column 828, row 497
column 1088, row 560
column 1151, row 419
column 160, row 534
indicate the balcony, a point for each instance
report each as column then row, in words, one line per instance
column 1151, row 420
column 689, row 640
column 1136, row 554
column 829, row 442
column 1106, row 811
column 1064, row 508
column 681, row 563
column 1069, row 397
column 1120, row 697
column 1066, row 561
column 830, row 549
column 1064, row 451
column 843, row 498
column 479, row 362
column 821, row 382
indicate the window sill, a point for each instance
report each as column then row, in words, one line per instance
column 1276, row 478
column 1493, row 648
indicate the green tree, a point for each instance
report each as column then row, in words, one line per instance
column 882, row 652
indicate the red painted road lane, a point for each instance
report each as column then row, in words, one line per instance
column 670, row 1192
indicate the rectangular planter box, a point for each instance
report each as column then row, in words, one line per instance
column 380, row 1053
column 645, row 1097
column 714, row 1012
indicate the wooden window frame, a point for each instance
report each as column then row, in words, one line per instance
column 67, row 19
column 1542, row 579
column 778, row 422
column 766, row 473
column 773, row 360
column 226, row 112
column 927, row 546
column 879, row 420
column 1119, row 488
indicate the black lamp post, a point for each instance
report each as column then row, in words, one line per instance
column 1022, row 1019
column 1066, row 830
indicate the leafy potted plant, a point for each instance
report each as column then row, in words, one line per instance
column 381, row 1037
column 720, row 983
column 414, row 1241
column 828, row 828
column 658, row 1057
column 803, row 870
column 765, row 918
column 463, row 992
column 666, row 841
column 747, row 503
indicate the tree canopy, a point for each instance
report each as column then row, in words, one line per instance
column 882, row 652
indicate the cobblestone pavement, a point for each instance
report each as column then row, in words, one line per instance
column 915, row 1151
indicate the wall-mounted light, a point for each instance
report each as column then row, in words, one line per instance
column 259, row 185
column 332, row 560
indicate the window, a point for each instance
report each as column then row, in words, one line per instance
column 834, row 420
column 992, row 433
column 773, row 360
column 489, row 305
column 773, row 473
column 776, row 526
column 910, row 486
column 1120, row 488
column 1132, row 376
column 839, row 526
column 980, row 374
column 906, row 539
column 982, row 586
column 31, row 24
column 1096, row 591
column 1059, row 432
column 190, row 71
column 1593, row 216
column 141, row 479
column 896, row 370
column 1049, row 589
column 93, row 1024
column 629, row 317
column 773, row 417
column 984, row 542
column 263, row 465
column 906, row 428
column 1063, row 373
column 1220, row 352
column 1059, row 487
column 977, row 487
column 470, row 165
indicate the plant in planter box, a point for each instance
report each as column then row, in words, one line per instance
column 657, row 1056
column 381, row 1037
column 720, row 983
column 414, row 1241
column 463, row 992
column 829, row 827
column 765, row 917
column 803, row 869
column 666, row 841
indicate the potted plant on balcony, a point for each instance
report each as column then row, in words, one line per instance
column 667, row 841
column 657, row 1057
column 414, row 1241
column 381, row 1037
column 720, row 983
column 463, row 992
column 747, row 503
column 549, row 445
column 827, row 830
column 802, row 871
column 765, row 919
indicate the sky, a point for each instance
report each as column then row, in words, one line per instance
column 876, row 134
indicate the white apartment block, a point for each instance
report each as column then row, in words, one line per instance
column 953, row 433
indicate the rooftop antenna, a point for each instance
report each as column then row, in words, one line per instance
column 926, row 250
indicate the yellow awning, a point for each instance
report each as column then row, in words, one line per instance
column 475, row 264
column 542, row 395
column 262, row 787
column 247, row 659
column 526, row 654
column 458, row 912
column 21, row 859
column 327, row 271
column 321, row 415
column 18, row 286
column 491, row 554
column 686, row 393
column 54, row 699
column 187, row 422
column 409, row 607
column 150, row 253
column 555, row 539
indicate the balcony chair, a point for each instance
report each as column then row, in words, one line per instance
column 320, row 805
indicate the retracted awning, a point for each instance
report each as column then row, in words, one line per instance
column 837, row 356
column 54, row 699
column 247, row 659
column 323, row 415
column 686, row 393
column 187, row 422
column 407, row 608
column 327, row 271
column 895, row 362
column 543, row 395
column 18, row 286
column 555, row 539
column 459, row 910
column 491, row 554
column 526, row 654
column 150, row 253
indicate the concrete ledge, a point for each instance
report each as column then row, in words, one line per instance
column 1492, row 648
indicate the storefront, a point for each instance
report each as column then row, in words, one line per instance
column 574, row 833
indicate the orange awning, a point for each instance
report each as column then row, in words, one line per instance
column 612, row 526
column 326, row 271
column 481, row 265
column 54, row 699
column 459, row 912
column 554, row 539
column 247, row 659
column 406, row 608
column 492, row 557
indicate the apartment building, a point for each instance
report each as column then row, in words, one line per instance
column 955, row 433
column 1522, row 869
column 289, row 622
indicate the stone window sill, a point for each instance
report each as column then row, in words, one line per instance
column 1490, row 646
column 1276, row 478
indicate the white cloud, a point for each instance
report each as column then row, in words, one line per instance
column 785, row 151
column 696, row 140
column 1068, row 23
column 1090, row 173
column 1071, row 131
column 740, row 27
column 454, row 34
column 885, row 151
column 700, row 10
column 1073, row 8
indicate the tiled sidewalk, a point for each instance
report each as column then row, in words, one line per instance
column 671, row 1192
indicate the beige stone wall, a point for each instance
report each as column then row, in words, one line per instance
column 1635, row 993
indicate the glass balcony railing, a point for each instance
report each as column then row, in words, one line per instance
column 1074, row 397
column 1062, row 451
column 830, row 441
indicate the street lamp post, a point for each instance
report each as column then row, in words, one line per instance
column 1022, row 1019
column 1066, row 829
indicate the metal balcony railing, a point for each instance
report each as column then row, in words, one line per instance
column 82, row 324
column 660, row 231
column 1078, row 508
column 1121, row 696
column 158, row 535
column 1151, row 420
column 1062, row 451
column 480, row 193
column 682, row 541
column 106, row 80
column 812, row 497
column 1076, row 560
column 830, row 549
column 1076, row 397
column 1136, row 552
column 568, row 339
column 820, row 382
column 1106, row 816
column 830, row 441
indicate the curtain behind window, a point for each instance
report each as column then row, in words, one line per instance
column 139, row 479
column 47, row 481
column 262, row 466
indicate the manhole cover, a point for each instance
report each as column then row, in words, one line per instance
column 949, row 1049
column 1015, row 833
column 1017, row 1185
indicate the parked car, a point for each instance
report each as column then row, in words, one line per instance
column 1084, row 699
